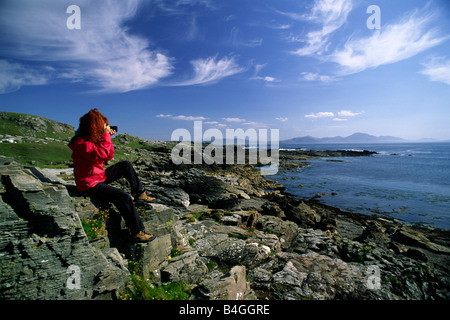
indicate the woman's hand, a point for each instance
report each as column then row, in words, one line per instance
column 109, row 130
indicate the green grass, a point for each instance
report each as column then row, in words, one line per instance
column 239, row 236
column 176, row 252
column 142, row 290
column 11, row 127
column 38, row 154
column 96, row 227
column 51, row 154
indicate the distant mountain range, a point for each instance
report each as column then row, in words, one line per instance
column 354, row 138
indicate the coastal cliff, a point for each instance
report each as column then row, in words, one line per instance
column 223, row 232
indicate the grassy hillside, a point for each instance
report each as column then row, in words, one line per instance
column 37, row 141
column 55, row 154
column 34, row 140
column 30, row 126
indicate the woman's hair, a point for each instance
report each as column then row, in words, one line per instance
column 92, row 125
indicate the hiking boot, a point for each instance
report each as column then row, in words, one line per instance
column 143, row 197
column 141, row 237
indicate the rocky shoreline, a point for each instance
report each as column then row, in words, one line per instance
column 224, row 230
column 295, row 158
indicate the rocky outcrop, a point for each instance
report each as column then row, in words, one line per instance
column 45, row 253
column 224, row 231
column 29, row 125
column 297, row 158
column 232, row 286
column 291, row 249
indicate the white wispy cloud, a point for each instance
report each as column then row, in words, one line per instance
column 255, row 124
column 259, row 67
column 14, row 75
column 189, row 118
column 181, row 117
column 349, row 113
column 311, row 76
column 438, row 69
column 216, row 124
column 125, row 75
column 280, row 26
column 103, row 51
column 237, row 41
column 268, row 79
column 282, row 119
column 329, row 15
column 410, row 34
column 178, row 7
column 234, row 119
column 320, row 115
column 211, row 70
column 162, row 115
column 265, row 78
column 393, row 43
column 341, row 115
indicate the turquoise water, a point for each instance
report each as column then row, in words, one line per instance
column 406, row 181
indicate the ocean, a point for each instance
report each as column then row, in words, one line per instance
column 405, row 181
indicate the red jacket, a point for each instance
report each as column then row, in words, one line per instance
column 88, row 160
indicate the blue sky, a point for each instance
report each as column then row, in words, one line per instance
column 303, row 67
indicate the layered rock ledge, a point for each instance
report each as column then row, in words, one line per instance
column 224, row 230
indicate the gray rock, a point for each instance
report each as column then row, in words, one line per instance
column 159, row 222
column 286, row 231
column 230, row 251
column 211, row 191
column 44, row 251
column 305, row 215
column 254, row 254
column 151, row 255
column 186, row 268
column 410, row 236
column 375, row 232
column 313, row 240
column 267, row 239
column 315, row 276
column 261, row 281
column 178, row 196
column 232, row 286
column 270, row 208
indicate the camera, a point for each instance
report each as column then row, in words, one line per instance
column 115, row 128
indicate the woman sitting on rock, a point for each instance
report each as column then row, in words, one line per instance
column 91, row 147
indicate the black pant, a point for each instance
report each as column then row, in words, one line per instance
column 121, row 199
